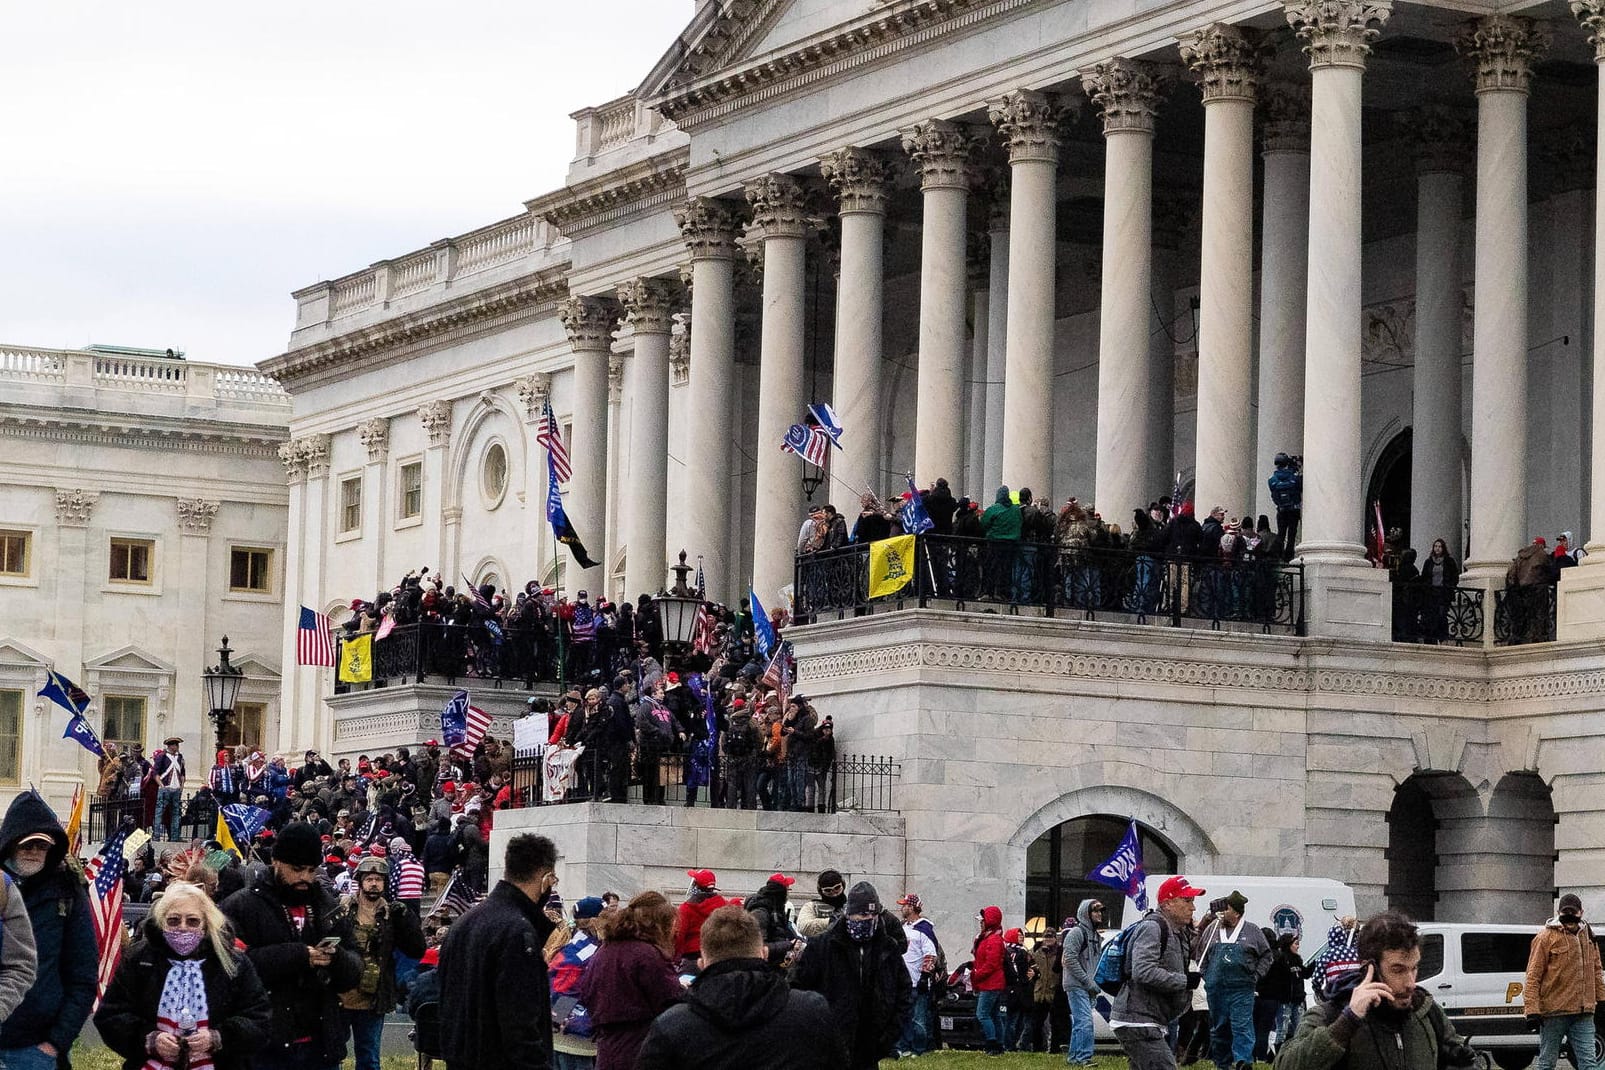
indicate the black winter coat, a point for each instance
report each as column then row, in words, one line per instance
column 495, row 996
column 768, row 908
column 399, row 931
column 237, row 1007
column 940, row 506
column 857, row 977
column 740, row 1014
column 303, row 997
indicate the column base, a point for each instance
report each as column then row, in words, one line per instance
column 1580, row 601
column 1345, row 598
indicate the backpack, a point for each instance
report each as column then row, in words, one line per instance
column 1113, row 970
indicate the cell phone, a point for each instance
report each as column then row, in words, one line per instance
column 329, row 943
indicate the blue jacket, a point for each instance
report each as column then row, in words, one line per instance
column 1287, row 487
column 58, row 1004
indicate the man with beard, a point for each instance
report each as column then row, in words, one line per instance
column 285, row 919
column 375, row 929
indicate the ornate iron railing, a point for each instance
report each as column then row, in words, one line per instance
column 197, row 819
column 1437, row 615
column 412, row 653
column 1524, row 614
column 1093, row 583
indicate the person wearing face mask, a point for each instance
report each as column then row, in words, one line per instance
column 1564, row 983
column 375, row 928
column 816, row 915
column 858, row 967
column 285, row 919
column 182, row 996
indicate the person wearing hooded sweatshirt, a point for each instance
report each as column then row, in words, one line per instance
column 46, row 1022
column 1000, row 525
column 1083, row 943
column 702, row 900
column 768, row 908
column 740, row 1013
column 1020, row 978
column 1564, row 983
column 858, row 967
column 986, row 977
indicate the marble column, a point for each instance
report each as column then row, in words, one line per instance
column 310, row 712
column 1441, row 140
column 1284, row 280
column 1591, row 13
column 709, row 228
column 858, row 178
column 1029, row 123
column 997, row 331
column 1225, row 59
column 942, row 151
column 978, row 260
column 1172, row 213
column 295, row 577
column 1126, row 93
column 780, row 223
column 590, row 323
column 649, row 309
column 1503, row 49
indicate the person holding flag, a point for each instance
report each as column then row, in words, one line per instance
column 33, row 848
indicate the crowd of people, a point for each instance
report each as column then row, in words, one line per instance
column 1424, row 588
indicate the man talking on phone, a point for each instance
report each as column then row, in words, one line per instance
column 1378, row 1018
column 285, row 919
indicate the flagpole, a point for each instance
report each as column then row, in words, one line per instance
column 557, row 584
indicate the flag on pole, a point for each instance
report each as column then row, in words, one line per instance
column 478, row 721
column 912, row 514
column 702, row 581
column 105, row 875
column 314, row 639
column 1175, row 496
column 562, row 529
column 828, row 422
column 1379, row 545
column 454, row 720
column 812, row 444
column 244, row 822
column 704, row 631
column 224, row 836
column 777, row 675
column 79, row 730
column 75, row 822
column 550, row 435
column 386, row 626
column 64, row 693
column 762, row 628
column 1123, row 870
column 457, row 896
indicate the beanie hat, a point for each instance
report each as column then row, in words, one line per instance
column 863, row 899
column 589, row 907
column 298, row 845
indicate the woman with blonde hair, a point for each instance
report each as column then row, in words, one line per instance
column 630, row 980
column 182, row 996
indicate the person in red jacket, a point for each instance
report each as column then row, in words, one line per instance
column 986, row 977
column 703, row 900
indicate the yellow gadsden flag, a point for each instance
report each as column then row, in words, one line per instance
column 891, row 565
column 356, row 660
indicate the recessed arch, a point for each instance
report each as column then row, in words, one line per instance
column 469, row 450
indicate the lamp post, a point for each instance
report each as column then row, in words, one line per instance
column 222, row 689
column 677, row 611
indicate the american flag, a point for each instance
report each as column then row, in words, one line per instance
column 478, row 722
column 551, row 436
column 314, row 643
column 105, row 875
column 811, row 443
column 778, row 674
column 457, row 896
column 704, row 631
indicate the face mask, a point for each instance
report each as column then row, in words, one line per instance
column 23, row 870
column 861, row 930
column 838, row 900
column 183, row 941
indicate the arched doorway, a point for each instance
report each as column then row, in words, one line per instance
column 1412, row 852
column 1058, row 861
column 1390, row 485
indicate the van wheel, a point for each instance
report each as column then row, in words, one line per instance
column 1512, row 1060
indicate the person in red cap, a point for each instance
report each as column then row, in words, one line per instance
column 768, row 906
column 702, row 900
column 986, row 977
column 1019, row 977
column 1157, row 984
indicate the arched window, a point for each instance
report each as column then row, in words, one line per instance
column 1057, row 864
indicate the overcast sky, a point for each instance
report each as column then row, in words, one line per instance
column 172, row 170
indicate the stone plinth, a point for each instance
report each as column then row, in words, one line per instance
column 381, row 719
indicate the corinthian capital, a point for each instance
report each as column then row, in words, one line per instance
column 314, row 451
column 943, row 151
column 858, row 178
column 1029, row 122
column 709, row 228
column 435, row 416
column 1442, row 138
column 589, row 321
column 649, row 303
column 1591, row 13
column 375, row 436
column 1502, row 50
column 779, row 206
column 1126, row 93
column 195, row 515
column 295, row 465
column 1337, row 33
column 1285, row 109
column 534, row 391
column 1226, row 60
column 75, row 507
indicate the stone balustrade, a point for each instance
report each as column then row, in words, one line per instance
column 131, row 373
column 613, row 125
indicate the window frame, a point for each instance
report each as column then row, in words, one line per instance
column 404, row 518
column 26, row 571
column 14, row 780
column 131, row 542
column 267, row 569
column 494, row 500
column 115, row 740
column 237, row 725
column 352, row 479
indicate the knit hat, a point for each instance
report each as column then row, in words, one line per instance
column 298, row 845
column 398, row 845
column 911, row 900
column 589, row 907
column 863, row 899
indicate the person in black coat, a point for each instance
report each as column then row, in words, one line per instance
column 186, row 937
column 940, row 506
column 495, row 996
column 281, row 918
column 768, row 907
column 739, row 1013
column 858, row 968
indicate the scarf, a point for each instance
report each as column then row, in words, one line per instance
column 183, row 1002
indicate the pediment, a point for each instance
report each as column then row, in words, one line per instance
column 256, row 666
column 15, row 655
column 791, row 21
column 130, row 659
column 720, row 35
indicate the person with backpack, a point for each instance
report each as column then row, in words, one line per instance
column 1155, row 981
column 1019, row 979
column 987, row 978
column 1083, row 943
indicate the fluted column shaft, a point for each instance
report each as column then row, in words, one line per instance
column 858, row 179
column 779, row 221
column 997, row 331
column 649, row 304
column 1502, row 48
column 1127, row 95
column 975, row 372
column 590, row 322
column 1029, row 123
column 1591, row 13
column 1284, row 283
column 709, row 229
column 942, row 152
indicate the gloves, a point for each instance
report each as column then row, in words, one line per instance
column 1194, row 978
column 1533, row 1022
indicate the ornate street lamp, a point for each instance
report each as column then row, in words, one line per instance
column 677, row 610
column 222, row 689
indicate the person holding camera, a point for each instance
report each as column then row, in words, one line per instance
column 1287, row 494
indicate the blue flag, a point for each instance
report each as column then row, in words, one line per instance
column 562, row 528
column 1124, row 871
column 244, row 822
column 454, row 720
column 914, row 518
column 829, row 422
column 78, row 729
column 64, row 693
column 761, row 627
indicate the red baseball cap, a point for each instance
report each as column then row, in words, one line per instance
column 431, row 957
column 782, row 880
column 702, row 878
column 1178, row 888
column 1011, row 936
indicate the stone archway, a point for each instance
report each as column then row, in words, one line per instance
column 1058, row 861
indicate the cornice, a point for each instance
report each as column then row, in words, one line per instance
column 620, row 194
column 355, row 350
column 94, row 428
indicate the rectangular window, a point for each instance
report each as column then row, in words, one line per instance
column 246, row 727
column 11, row 737
column 250, row 570
column 412, row 490
column 351, row 504
column 1494, row 952
column 131, row 560
column 13, row 553
column 125, row 720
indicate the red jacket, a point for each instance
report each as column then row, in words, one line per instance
column 986, row 967
column 688, row 924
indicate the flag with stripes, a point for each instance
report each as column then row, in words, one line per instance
column 314, row 639
column 105, row 875
column 702, row 581
column 478, row 722
column 457, row 897
column 454, row 720
column 704, row 633
column 551, row 436
column 811, row 443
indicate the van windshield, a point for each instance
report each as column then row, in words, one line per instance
column 1494, row 952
